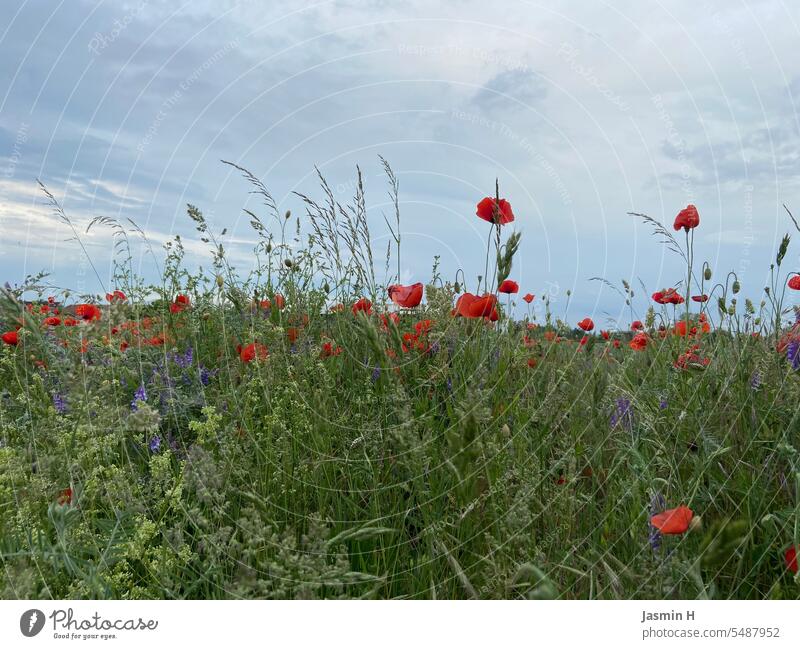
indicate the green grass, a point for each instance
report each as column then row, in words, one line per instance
column 454, row 471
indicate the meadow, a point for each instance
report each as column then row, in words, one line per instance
column 307, row 430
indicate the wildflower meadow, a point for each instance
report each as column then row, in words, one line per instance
column 315, row 429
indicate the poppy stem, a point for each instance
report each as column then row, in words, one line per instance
column 689, row 247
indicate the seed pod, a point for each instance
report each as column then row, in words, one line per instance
column 220, row 281
column 736, row 286
column 288, row 263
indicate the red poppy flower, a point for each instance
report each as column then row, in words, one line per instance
column 673, row 521
column 329, row 350
column 508, row 286
column 116, row 296
column 265, row 304
column 587, row 324
column 687, row 218
column 474, row 306
column 528, row 297
column 337, row 308
column 483, row 307
column 668, row 296
column 253, row 351
column 463, row 303
column 88, row 312
column 363, row 305
column 70, row 322
column 386, row 318
column 10, row 338
column 691, row 361
column 637, row 325
column 700, row 298
column 531, row 362
column 605, row 335
column 406, row 296
column 292, row 333
column 52, row 321
column 794, row 282
column 584, row 340
column 494, row 211
column 790, row 556
column 279, row 301
column 616, row 344
column 64, row 497
column 180, row 303
column 638, row 342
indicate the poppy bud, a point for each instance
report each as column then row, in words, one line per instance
column 457, row 288
column 736, row 286
column 287, row 263
column 268, row 248
column 505, row 430
column 220, row 281
column 288, row 214
column 696, row 524
column 707, row 273
column 326, row 287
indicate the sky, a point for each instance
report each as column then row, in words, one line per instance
column 584, row 111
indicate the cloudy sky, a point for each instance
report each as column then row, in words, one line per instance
column 585, row 111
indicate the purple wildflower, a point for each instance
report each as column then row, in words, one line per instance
column 155, row 444
column 206, row 374
column 755, row 380
column 139, row 395
column 793, row 354
column 184, row 360
column 376, row 374
column 657, row 504
column 59, row 403
column 623, row 414
column 663, row 404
